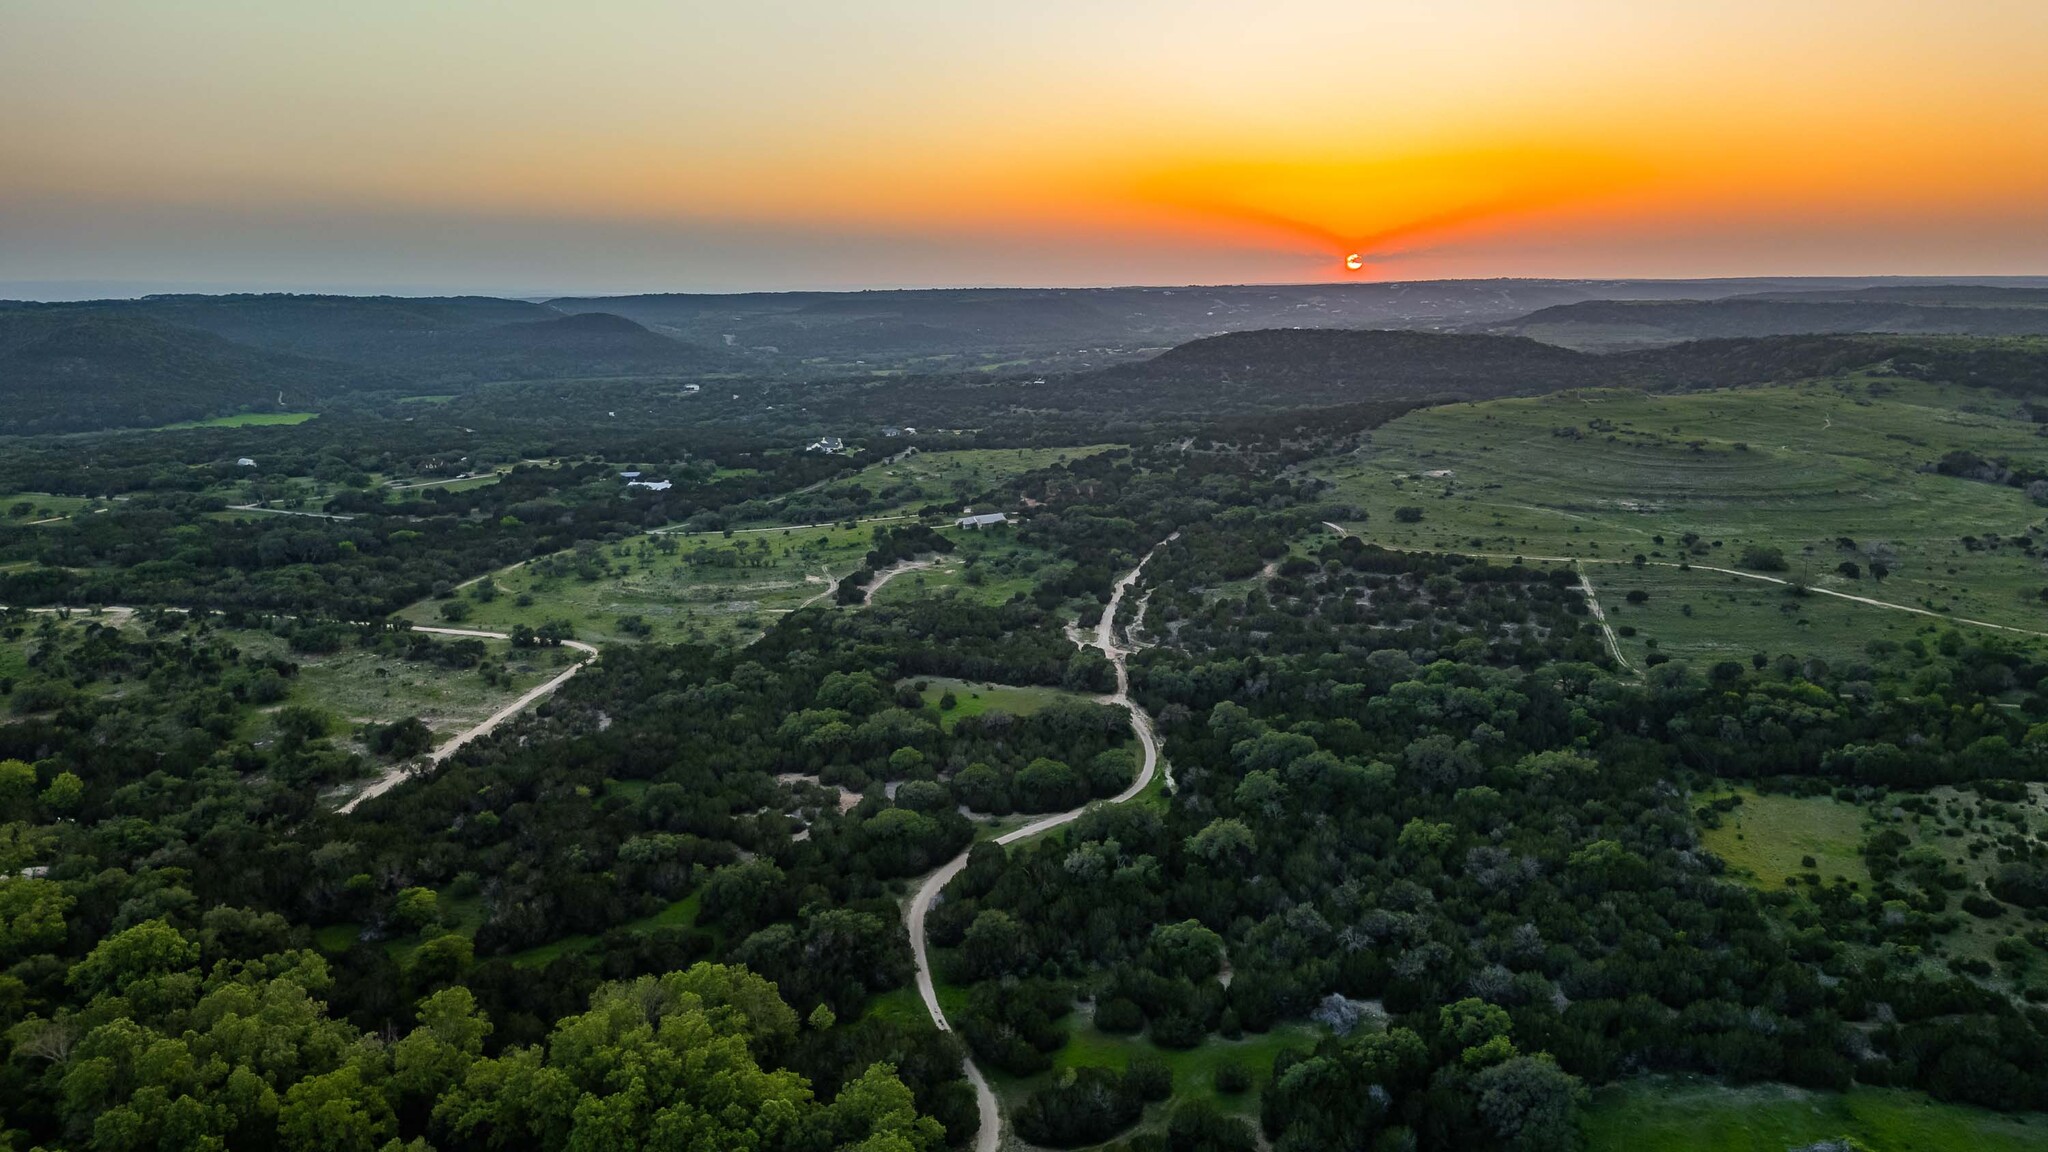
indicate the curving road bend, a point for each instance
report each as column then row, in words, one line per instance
column 398, row 773
column 990, row 1138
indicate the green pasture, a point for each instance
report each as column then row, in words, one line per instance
column 972, row 698
column 244, row 420
column 1712, row 616
column 353, row 687
column 1767, row 837
column 1668, row 1115
column 1826, row 473
column 949, row 477
column 21, row 508
column 709, row 588
column 987, row 566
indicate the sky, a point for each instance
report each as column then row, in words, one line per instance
column 532, row 147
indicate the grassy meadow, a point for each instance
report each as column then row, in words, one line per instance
column 973, row 699
column 706, row 588
column 353, row 687
column 245, row 420
column 1827, row 473
column 1673, row 1115
column 1768, row 837
column 949, row 477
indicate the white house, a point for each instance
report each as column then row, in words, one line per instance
column 828, row 445
column 651, row 485
column 245, row 462
column 984, row 520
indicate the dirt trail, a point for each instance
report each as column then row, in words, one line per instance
column 990, row 1138
column 892, row 572
column 1606, row 629
column 398, row 773
column 287, row 512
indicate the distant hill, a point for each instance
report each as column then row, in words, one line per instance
column 1963, row 310
column 434, row 342
column 1247, row 370
column 591, row 344
column 72, row 372
column 1065, row 329
column 1271, row 372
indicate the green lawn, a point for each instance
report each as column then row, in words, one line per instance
column 39, row 506
column 1766, row 837
column 244, row 420
column 1826, row 473
column 1699, row 1116
column 973, row 699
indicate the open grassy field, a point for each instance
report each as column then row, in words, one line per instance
column 973, row 699
column 706, row 587
column 1826, row 473
column 245, row 420
column 1662, row 1115
column 30, row 507
column 1767, row 837
column 946, row 477
column 353, row 687
column 1710, row 616
column 1194, row 1069
column 725, row 588
column 988, row 566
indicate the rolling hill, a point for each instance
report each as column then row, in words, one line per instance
column 1965, row 310
column 65, row 372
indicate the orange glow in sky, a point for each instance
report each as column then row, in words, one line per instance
column 635, row 144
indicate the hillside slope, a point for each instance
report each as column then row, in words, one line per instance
column 1598, row 324
column 64, row 372
column 437, row 341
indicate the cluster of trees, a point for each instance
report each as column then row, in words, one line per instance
column 214, row 1039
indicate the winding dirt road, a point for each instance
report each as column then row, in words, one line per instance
column 398, row 773
column 990, row 1137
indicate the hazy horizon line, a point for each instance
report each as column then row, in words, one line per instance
column 85, row 290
